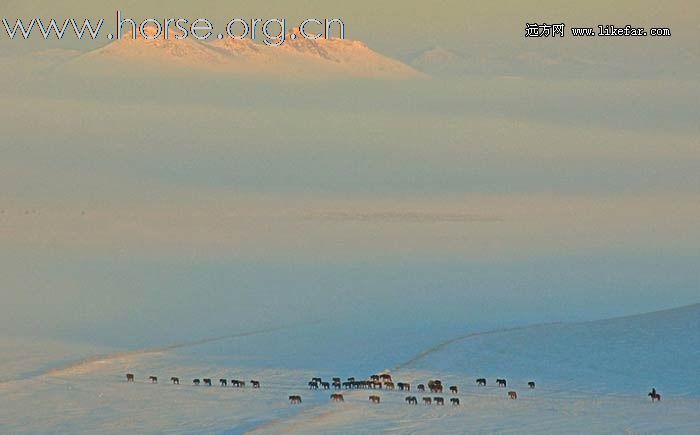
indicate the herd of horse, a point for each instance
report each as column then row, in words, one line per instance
column 379, row 381
column 206, row 381
column 385, row 381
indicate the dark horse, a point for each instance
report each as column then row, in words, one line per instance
column 207, row 381
column 453, row 389
column 223, row 382
column 454, row 401
column 439, row 400
column 294, row 400
column 255, row 384
column 421, row 387
column 481, row 382
column 337, row 397
column 153, row 379
column 196, row 381
column 175, row 380
column 313, row 385
column 501, row 382
column 435, row 386
column 404, row 386
column 129, row 377
column 531, row 384
column 374, row 399
column 654, row 395
column 412, row 400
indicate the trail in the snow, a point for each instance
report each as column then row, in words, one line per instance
column 72, row 366
column 442, row 345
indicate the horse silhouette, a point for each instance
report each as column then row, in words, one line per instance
column 654, row 395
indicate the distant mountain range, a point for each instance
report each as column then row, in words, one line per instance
column 299, row 57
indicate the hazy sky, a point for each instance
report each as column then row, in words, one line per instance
column 551, row 180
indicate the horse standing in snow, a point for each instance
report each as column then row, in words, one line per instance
column 129, row 377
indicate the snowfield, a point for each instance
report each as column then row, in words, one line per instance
column 591, row 378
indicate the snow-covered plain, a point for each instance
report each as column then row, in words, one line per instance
column 591, row 378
